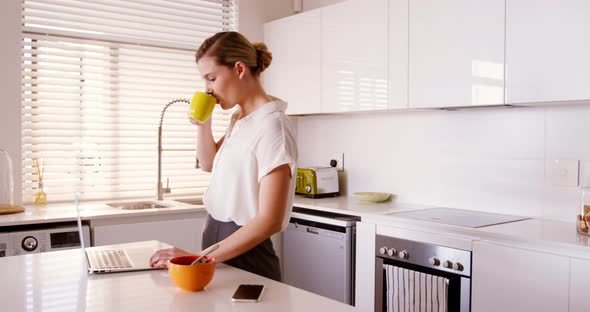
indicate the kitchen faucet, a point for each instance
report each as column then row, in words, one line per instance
column 166, row 190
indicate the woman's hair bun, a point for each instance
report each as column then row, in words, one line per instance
column 263, row 56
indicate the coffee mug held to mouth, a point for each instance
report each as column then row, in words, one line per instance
column 201, row 106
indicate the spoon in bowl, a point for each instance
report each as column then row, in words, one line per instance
column 205, row 252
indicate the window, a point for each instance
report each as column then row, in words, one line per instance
column 95, row 78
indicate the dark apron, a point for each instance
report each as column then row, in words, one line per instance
column 261, row 259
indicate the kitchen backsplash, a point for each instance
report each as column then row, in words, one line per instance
column 486, row 159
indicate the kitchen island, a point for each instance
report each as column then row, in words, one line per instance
column 58, row 281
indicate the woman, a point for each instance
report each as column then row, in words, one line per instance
column 252, row 186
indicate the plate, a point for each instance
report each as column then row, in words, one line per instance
column 372, row 197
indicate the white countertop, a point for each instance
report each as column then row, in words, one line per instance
column 547, row 235
column 59, row 281
column 552, row 236
column 99, row 210
column 89, row 211
column 352, row 206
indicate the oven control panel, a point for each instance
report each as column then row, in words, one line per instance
column 441, row 258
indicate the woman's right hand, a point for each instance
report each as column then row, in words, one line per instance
column 200, row 124
column 161, row 257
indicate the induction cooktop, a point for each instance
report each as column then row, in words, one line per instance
column 466, row 218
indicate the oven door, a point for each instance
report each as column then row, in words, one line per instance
column 401, row 286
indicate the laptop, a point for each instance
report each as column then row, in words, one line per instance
column 115, row 259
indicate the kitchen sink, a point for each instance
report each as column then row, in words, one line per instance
column 138, row 205
column 190, row 201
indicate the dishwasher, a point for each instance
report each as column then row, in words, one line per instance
column 319, row 252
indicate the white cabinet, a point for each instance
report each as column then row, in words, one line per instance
column 182, row 230
column 512, row 279
column 547, row 49
column 295, row 72
column 398, row 54
column 354, row 56
column 579, row 285
column 365, row 267
column 456, row 53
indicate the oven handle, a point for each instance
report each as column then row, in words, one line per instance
column 465, row 292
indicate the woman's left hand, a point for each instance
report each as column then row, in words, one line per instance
column 161, row 257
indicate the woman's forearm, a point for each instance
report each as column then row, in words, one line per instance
column 206, row 147
column 246, row 238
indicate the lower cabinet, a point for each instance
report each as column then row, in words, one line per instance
column 365, row 267
column 182, row 230
column 579, row 285
column 513, row 279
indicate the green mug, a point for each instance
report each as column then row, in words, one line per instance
column 201, row 106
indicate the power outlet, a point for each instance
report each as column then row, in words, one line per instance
column 339, row 158
column 562, row 172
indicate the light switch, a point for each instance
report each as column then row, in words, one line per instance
column 562, row 172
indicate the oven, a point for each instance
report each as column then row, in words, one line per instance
column 416, row 276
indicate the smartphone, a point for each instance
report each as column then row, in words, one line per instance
column 247, row 293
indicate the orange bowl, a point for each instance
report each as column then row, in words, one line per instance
column 191, row 277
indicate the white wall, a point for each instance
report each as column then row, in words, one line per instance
column 254, row 13
column 10, row 116
column 483, row 159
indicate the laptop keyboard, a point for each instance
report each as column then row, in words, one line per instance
column 110, row 259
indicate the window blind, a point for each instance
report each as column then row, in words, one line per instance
column 95, row 78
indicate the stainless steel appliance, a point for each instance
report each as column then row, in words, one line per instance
column 317, row 182
column 318, row 253
column 412, row 275
column 18, row 240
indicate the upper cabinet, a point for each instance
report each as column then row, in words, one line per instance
column 456, row 53
column 547, row 49
column 354, row 56
column 398, row 54
column 295, row 72
column 377, row 54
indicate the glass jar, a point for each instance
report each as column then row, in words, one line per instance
column 583, row 222
column 6, row 181
column 41, row 196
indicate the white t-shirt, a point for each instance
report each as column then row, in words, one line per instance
column 252, row 148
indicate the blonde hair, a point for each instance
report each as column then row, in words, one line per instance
column 229, row 47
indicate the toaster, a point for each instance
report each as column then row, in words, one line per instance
column 317, row 182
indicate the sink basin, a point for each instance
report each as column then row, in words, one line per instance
column 137, row 205
column 190, row 201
